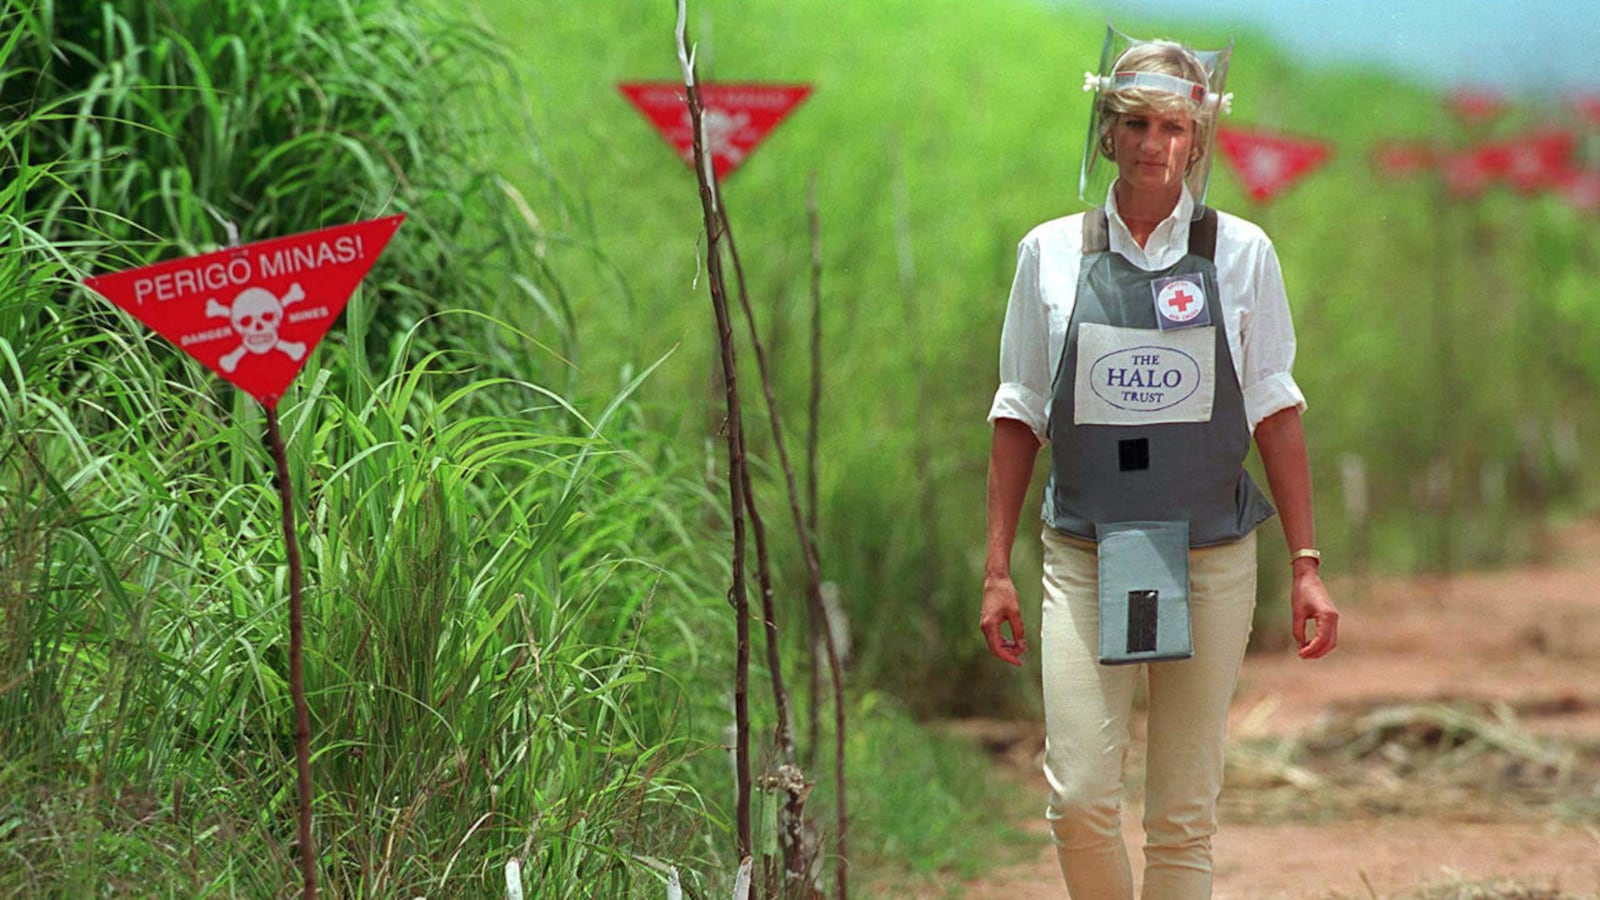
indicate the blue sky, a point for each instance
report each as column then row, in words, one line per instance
column 1518, row 46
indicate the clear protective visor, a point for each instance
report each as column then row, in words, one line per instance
column 1127, row 74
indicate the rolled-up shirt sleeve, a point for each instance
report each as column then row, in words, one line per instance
column 1024, row 390
column 1268, row 343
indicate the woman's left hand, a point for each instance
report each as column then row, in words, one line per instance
column 1310, row 603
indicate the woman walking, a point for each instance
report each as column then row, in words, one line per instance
column 1145, row 343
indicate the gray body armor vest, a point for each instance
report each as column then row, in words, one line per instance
column 1149, row 424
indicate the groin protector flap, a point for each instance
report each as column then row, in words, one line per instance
column 1144, row 592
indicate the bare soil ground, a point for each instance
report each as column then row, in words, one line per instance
column 1449, row 748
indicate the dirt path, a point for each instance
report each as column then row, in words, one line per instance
column 1454, row 739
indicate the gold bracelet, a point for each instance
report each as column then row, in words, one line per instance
column 1306, row 553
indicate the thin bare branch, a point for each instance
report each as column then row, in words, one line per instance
column 735, row 440
column 809, row 552
column 815, row 405
column 815, row 630
column 921, row 443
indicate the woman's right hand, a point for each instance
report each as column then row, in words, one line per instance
column 1000, row 607
column 1010, row 467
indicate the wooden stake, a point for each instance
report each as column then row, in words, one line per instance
column 297, row 683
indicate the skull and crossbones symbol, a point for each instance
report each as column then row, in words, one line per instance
column 257, row 315
column 721, row 129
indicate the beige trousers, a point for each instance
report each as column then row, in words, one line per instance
column 1088, row 708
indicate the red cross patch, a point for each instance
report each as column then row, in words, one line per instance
column 1180, row 302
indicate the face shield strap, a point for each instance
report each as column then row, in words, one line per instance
column 1157, row 81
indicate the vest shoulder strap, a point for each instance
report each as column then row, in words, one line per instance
column 1096, row 237
column 1203, row 234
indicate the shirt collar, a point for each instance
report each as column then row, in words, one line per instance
column 1167, row 243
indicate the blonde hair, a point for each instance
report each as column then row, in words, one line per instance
column 1166, row 58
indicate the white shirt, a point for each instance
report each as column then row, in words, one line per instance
column 1254, row 306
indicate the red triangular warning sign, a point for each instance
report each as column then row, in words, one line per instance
column 1401, row 158
column 1528, row 163
column 1477, row 107
column 253, row 314
column 1467, row 174
column 1580, row 188
column 738, row 117
column 1534, row 161
column 1269, row 163
column 1588, row 106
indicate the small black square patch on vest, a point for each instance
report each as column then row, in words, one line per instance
column 1134, row 455
column 1142, row 621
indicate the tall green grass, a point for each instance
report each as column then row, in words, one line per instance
column 507, row 598
column 475, row 651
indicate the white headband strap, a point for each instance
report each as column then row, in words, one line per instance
column 1158, row 81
